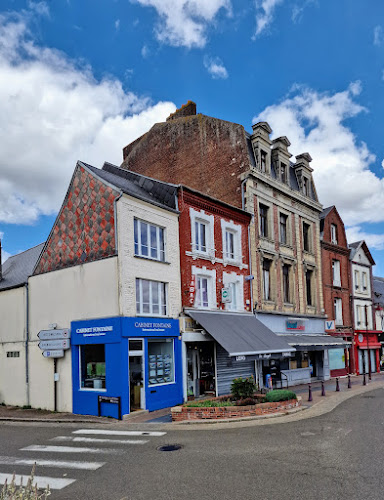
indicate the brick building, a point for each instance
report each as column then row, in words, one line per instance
column 252, row 172
column 337, row 288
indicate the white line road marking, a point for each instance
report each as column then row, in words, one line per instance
column 55, row 483
column 62, row 464
column 67, row 449
column 119, row 433
column 98, row 440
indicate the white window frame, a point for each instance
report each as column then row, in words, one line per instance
column 236, row 281
column 160, row 253
column 210, row 275
column 208, row 220
column 334, row 234
column 235, row 229
column 364, row 281
column 336, row 276
column 267, row 292
column 139, row 300
column 338, row 308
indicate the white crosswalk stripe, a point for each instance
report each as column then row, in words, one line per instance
column 61, row 464
column 119, row 433
column 67, row 449
column 98, row 440
column 55, row 483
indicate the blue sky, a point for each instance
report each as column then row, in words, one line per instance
column 81, row 79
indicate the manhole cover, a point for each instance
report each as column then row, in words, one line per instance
column 170, row 447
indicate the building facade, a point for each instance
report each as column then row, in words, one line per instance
column 337, row 289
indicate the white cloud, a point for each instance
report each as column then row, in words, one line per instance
column 378, row 36
column 40, row 8
column 298, row 9
column 314, row 122
column 185, row 22
column 264, row 14
column 215, row 67
column 117, row 24
column 52, row 113
column 375, row 241
column 145, row 51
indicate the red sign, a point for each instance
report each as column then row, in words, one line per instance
column 192, row 290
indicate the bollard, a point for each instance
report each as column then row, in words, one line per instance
column 309, row 392
column 349, row 382
column 337, row 385
column 322, row 388
column 364, row 381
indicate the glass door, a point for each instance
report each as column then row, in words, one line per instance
column 136, row 375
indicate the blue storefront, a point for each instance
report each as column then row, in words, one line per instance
column 131, row 363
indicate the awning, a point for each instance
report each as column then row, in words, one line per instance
column 318, row 342
column 240, row 334
column 369, row 345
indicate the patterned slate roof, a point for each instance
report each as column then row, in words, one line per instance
column 18, row 268
column 378, row 290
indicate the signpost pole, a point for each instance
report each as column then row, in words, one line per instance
column 55, row 382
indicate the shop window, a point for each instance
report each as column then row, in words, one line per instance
column 135, row 345
column 306, row 237
column 334, row 234
column 151, row 297
column 267, row 279
column 92, row 366
column 286, row 288
column 263, row 209
column 338, row 311
column 149, row 240
column 301, row 360
column 308, row 282
column 336, row 273
column 161, row 366
column 283, row 229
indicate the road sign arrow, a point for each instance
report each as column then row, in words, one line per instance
column 54, row 334
column 55, row 344
column 57, row 353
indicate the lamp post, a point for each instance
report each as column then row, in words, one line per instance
column 369, row 354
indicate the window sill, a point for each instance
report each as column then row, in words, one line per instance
column 286, row 245
column 265, row 238
column 151, row 259
column 151, row 315
column 308, row 252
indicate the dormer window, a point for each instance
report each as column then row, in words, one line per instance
column 305, row 186
column 283, row 172
column 263, row 161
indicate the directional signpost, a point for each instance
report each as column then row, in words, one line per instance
column 57, row 353
column 55, row 344
column 54, row 334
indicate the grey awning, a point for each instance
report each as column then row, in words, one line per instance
column 240, row 334
column 315, row 342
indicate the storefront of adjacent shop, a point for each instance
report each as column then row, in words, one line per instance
column 313, row 349
column 124, row 364
column 220, row 346
column 367, row 351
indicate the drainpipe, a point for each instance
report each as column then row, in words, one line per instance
column 27, row 342
column 117, row 251
column 249, row 241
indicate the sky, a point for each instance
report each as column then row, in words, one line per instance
column 81, row 79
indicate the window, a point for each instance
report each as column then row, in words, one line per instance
column 92, row 366
column 286, row 291
column 334, row 234
column 151, row 297
column 161, row 366
column 263, row 221
column 232, row 306
column 149, row 240
column 263, row 161
column 357, row 280
column 338, row 311
column 308, row 282
column 283, row 172
column 360, row 316
column 364, row 282
column 306, row 186
column 336, row 280
column 230, row 245
column 266, row 279
column 306, row 236
column 202, row 292
column 283, row 229
column 200, row 236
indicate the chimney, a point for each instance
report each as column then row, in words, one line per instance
column 304, row 160
column 188, row 109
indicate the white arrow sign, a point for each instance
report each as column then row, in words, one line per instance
column 54, row 334
column 58, row 353
column 55, row 344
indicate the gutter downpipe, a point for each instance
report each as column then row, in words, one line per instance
column 27, row 343
column 117, row 251
column 249, row 241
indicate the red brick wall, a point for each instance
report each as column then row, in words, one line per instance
column 84, row 230
column 198, row 202
column 204, row 153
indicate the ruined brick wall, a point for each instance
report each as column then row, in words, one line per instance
column 84, row 230
column 204, row 153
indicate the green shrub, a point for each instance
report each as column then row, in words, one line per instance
column 209, row 403
column 29, row 492
column 242, row 388
column 279, row 395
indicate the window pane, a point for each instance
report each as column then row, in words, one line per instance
column 146, row 298
column 155, row 298
column 202, row 238
column 138, row 301
column 144, row 239
column 92, row 363
column 136, row 236
column 135, row 345
column 161, row 367
column 163, row 299
column 153, row 233
column 161, row 244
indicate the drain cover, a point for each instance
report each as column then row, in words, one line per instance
column 170, row 447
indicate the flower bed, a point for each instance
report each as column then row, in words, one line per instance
column 181, row 413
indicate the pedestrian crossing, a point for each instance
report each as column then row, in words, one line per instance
column 81, row 441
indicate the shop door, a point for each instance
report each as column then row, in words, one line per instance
column 373, row 361
column 201, row 369
column 193, row 361
column 136, row 380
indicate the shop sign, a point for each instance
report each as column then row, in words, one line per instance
column 330, row 325
column 153, row 326
column 295, row 325
column 192, row 290
column 240, row 358
column 95, row 331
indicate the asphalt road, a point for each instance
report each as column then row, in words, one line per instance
column 335, row 456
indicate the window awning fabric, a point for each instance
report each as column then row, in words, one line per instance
column 315, row 342
column 241, row 334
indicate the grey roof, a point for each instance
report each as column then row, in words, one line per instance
column 240, row 334
column 355, row 246
column 139, row 186
column 18, row 268
column 302, row 341
column 326, row 211
column 378, row 290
